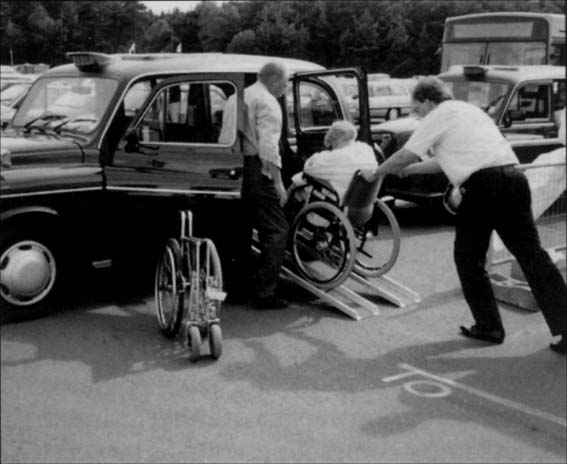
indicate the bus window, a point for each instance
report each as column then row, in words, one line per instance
column 510, row 53
column 504, row 38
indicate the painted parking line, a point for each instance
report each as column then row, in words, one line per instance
column 439, row 388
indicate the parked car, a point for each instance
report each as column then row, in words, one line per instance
column 95, row 169
column 10, row 99
column 377, row 76
column 13, row 93
column 521, row 100
column 9, row 76
column 388, row 99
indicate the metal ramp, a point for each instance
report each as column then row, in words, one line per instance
column 356, row 296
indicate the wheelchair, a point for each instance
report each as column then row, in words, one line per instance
column 328, row 240
column 189, row 290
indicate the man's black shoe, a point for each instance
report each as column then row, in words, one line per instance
column 269, row 302
column 492, row 336
column 560, row 346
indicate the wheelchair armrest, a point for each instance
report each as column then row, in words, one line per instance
column 322, row 186
column 315, row 181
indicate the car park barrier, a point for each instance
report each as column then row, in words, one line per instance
column 549, row 204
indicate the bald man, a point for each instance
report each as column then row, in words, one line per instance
column 263, row 193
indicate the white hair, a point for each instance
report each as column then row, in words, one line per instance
column 340, row 131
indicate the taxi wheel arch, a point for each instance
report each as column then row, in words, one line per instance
column 32, row 267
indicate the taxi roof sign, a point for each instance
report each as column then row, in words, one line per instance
column 89, row 61
column 474, row 72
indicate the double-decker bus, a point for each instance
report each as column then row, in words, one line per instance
column 510, row 38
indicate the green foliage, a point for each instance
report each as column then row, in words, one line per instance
column 399, row 37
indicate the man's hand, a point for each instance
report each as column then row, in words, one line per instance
column 369, row 175
column 282, row 193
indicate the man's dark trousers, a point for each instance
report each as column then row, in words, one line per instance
column 262, row 211
column 500, row 199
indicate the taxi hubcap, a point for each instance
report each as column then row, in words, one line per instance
column 27, row 273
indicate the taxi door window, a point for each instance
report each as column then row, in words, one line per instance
column 316, row 107
column 533, row 101
column 189, row 113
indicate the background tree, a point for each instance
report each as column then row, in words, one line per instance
column 399, row 37
column 277, row 33
column 217, row 25
column 244, row 42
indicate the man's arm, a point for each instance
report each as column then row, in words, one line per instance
column 394, row 164
column 275, row 173
column 269, row 120
column 430, row 166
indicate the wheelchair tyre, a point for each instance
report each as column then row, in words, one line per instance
column 194, row 341
column 168, row 297
column 376, row 255
column 215, row 340
column 214, row 278
column 322, row 245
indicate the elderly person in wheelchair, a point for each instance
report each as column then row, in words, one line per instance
column 337, row 165
column 330, row 206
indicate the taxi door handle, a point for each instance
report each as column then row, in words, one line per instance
column 228, row 173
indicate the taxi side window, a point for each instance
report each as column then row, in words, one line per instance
column 533, row 101
column 188, row 112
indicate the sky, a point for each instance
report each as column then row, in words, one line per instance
column 167, row 7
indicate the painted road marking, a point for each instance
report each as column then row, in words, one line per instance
column 439, row 390
column 442, row 384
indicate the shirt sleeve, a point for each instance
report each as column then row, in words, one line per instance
column 429, row 132
column 269, row 123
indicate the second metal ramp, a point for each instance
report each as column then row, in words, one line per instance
column 356, row 296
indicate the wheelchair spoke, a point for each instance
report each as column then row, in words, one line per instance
column 377, row 252
column 322, row 243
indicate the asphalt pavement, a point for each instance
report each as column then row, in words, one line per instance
column 97, row 382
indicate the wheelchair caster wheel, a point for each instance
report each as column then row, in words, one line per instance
column 194, row 342
column 215, row 340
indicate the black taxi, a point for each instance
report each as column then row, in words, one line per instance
column 523, row 101
column 104, row 152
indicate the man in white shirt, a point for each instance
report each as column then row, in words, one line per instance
column 468, row 147
column 263, row 193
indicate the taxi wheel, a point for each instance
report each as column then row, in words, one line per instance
column 30, row 273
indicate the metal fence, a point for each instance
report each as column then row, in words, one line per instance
column 549, row 205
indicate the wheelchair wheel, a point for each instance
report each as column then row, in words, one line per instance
column 215, row 340
column 322, row 244
column 214, row 281
column 194, row 341
column 168, row 297
column 377, row 245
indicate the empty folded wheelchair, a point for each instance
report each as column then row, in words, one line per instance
column 189, row 290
